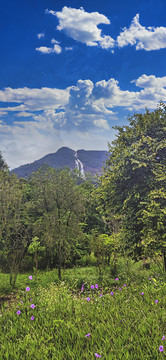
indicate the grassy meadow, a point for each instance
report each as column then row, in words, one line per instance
column 85, row 316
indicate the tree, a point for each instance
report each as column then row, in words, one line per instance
column 35, row 249
column 14, row 227
column 3, row 165
column 58, row 204
column 134, row 174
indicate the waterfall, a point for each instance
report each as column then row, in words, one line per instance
column 79, row 165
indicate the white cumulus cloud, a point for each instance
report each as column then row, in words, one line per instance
column 147, row 38
column 150, row 81
column 79, row 114
column 83, row 26
column 48, row 50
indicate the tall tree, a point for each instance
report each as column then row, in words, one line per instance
column 59, row 207
column 134, row 174
column 14, row 227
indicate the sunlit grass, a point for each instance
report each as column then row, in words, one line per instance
column 58, row 322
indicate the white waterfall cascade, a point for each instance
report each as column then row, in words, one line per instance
column 79, row 165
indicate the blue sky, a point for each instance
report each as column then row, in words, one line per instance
column 71, row 70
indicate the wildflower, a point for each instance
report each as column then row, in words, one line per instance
column 32, row 306
column 161, row 348
column 30, row 299
column 150, row 278
column 116, row 279
column 124, row 284
column 92, row 286
column 163, row 338
column 101, row 295
column 30, row 277
column 27, row 288
column 88, row 298
column 156, row 301
column 142, row 293
column 32, row 317
column 18, row 312
column 112, row 293
column 87, row 335
column 97, row 355
column 82, row 288
column 21, row 302
column 120, row 288
column 96, row 286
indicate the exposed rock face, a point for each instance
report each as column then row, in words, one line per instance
column 84, row 160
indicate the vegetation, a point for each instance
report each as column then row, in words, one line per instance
column 86, row 316
column 132, row 189
column 57, row 225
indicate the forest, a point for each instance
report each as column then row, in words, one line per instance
column 56, row 219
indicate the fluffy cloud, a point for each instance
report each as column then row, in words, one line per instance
column 84, row 100
column 47, row 50
column 149, row 38
column 151, row 81
column 83, row 26
column 45, row 119
column 34, row 99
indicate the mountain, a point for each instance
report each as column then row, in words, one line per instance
column 84, row 160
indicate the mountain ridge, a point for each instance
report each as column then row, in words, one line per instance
column 84, row 160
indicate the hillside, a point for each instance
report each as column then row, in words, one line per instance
column 84, row 160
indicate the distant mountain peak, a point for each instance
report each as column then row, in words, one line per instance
column 84, row 160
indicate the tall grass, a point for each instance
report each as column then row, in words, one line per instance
column 125, row 317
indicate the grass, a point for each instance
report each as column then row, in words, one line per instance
column 125, row 325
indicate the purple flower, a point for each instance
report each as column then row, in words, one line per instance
column 87, row 335
column 156, row 301
column 112, row 293
column 32, row 306
column 21, row 302
column 18, row 312
column 142, row 293
column 97, row 355
column 32, row 317
column 92, row 286
column 163, row 338
column 161, row 348
column 96, row 286
column 30, row 299
column 82, row 288
column 116, row 279
column 120, row 288
column 27, row 288
column 149, row 279
column 88, row 299
column 124, row 284
column 30, row 277
column 101, row 295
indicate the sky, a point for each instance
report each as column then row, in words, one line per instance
column 72, row 70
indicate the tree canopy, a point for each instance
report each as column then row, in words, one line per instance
column 132, row 187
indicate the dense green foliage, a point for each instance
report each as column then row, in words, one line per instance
column 55, row 219
column 132, row 188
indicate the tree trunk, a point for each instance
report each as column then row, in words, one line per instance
column 13, row 277
column 164, row 260
column 36, row 260
column 59, row 271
